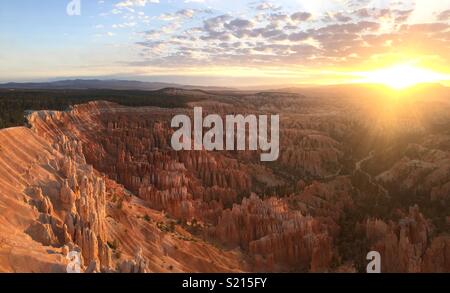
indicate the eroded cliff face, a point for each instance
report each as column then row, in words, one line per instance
column 53, row 203
column 209, row 193
column 24, row 210
column 102, row 179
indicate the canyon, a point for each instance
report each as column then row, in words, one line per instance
column 353, row 175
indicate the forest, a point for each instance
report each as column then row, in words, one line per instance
column 14, row 103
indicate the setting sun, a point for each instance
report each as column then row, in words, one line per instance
column 402, row 76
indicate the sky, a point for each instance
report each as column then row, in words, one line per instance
column 222, row 43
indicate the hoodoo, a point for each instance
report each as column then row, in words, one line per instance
column 102, row 181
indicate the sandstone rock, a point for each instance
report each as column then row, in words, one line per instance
column 402, row 245
column 42, row 233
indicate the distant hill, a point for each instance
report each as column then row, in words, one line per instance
column 113, row 84
column 342, row 90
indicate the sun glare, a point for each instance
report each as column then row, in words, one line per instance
column 402, row 76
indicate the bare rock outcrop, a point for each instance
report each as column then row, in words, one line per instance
column 276, row 236
column 405, row 246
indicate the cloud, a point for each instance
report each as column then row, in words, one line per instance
column 300, row 36
column 301, row 16
column 340, row 17
column 270, row 35
column 238, row 24
column 131, row 3
column 183, row 13
column 444, row 16
column 264, row 5
column 124, row 25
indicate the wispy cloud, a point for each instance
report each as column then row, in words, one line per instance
column 193, row 36
column 131, row 3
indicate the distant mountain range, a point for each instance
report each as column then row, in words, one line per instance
column 343, row 90
column 113, row 84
